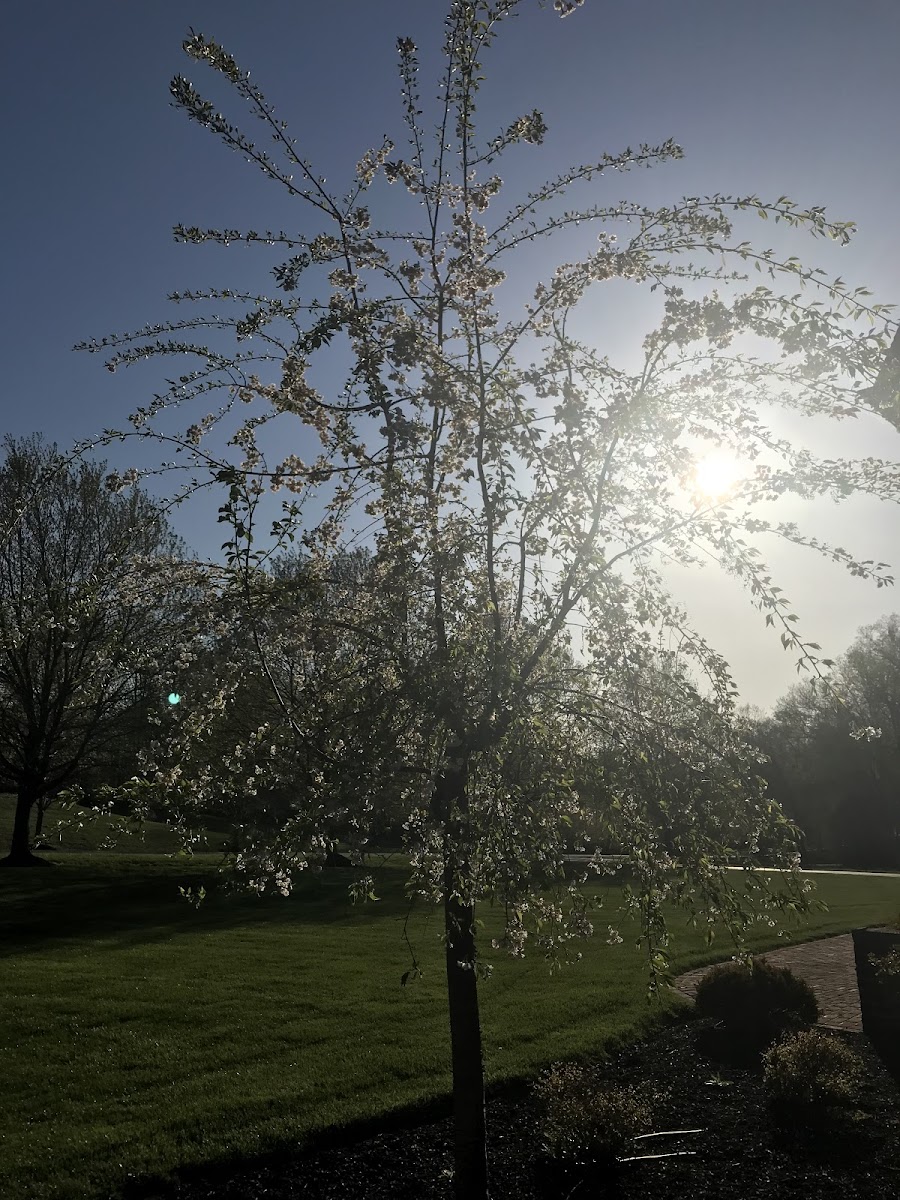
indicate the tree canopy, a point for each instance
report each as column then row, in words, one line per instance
column 83, row 626
column 834, row 753
column 516, row 487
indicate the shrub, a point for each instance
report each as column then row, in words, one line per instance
column 585, row 1119
column 758, row 1001
column 887, row 965
column 809, row 1070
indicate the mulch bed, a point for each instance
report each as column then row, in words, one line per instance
column 744, row 1153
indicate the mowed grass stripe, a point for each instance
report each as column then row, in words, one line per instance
column 140, row 1034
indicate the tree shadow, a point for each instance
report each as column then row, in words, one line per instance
column 142, row 904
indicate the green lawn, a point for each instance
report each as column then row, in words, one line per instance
column 151, row 837
column 140, row 1034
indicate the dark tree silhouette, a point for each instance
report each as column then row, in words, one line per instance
column 82, row 626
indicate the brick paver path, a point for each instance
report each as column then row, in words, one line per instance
column 827, row 965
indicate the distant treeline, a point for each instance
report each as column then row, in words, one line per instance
column 834, row 754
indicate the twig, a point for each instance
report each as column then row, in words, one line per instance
column 669, row 1154
column 667, row 1133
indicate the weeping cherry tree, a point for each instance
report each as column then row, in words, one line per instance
column 518, row 488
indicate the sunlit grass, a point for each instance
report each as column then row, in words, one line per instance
column 141, row 1034
column 65, row 832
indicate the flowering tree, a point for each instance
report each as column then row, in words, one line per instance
column 513, row 484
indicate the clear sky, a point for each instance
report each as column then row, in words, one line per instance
column 799, row 98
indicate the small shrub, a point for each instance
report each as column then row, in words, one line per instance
column 585, row 1119
column 758, row 1002
column 886, row 965
column 809, row 1070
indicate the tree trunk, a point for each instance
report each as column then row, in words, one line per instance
column 469, row 1133
column 39, row 821
column 20, row 851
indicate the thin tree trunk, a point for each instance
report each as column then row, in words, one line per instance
column 39, row 821
column 469, row 1132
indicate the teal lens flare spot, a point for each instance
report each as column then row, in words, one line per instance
column 174, row 697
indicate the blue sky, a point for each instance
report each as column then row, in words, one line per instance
column 798, row 98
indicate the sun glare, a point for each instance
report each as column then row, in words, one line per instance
column 716, row 474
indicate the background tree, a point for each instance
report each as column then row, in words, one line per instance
column 80, row 615
column 842, row 788
column 511, row 482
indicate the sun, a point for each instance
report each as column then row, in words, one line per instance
column 716, row 474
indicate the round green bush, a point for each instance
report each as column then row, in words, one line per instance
column 810, row 1070
column 758, row 1001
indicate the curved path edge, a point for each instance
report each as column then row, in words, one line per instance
column 827, row 965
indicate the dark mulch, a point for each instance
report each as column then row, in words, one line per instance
column 744, row 1153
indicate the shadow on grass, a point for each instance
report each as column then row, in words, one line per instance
column 133, row 903
column 272, row 1172
column 250, row 1171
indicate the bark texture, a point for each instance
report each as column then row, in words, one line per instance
column 469, row 1129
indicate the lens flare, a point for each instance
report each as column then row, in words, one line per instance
column 716, row 475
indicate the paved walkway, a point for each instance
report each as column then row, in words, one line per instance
column 827, row 965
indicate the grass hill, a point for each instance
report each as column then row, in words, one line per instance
column 89, row 833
